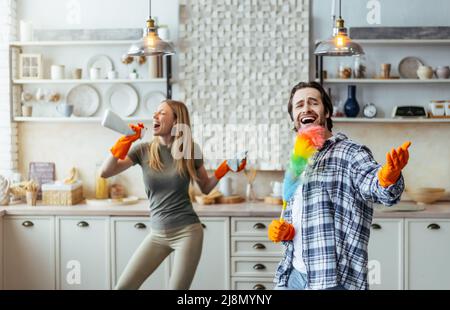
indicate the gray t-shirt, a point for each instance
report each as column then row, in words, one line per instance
column 167, row 190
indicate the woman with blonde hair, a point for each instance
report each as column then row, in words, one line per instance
column 168, row 167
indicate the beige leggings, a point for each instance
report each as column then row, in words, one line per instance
column 185, row 241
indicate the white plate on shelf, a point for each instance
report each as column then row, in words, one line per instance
column 408, row 67
column 122, row 99
column 85, row 100
column 103, row 62
column 152, row 100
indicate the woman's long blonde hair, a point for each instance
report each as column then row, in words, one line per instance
column 184, row 166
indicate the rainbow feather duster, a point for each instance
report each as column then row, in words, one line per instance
column 308, row 141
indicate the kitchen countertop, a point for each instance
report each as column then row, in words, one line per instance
column 258, row 209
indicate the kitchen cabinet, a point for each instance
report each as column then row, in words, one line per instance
column 428, row 254
column 126, row 235
column 254, row 259
column 386, row 255
column 29, row 252
column 83, row 253
column 213, row 271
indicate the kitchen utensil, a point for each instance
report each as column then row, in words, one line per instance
column 77, row 73
column 408, row 67
column 230, row 199
column 409, row 112
column 425, row 72
column 27, row 110
column 85, row 100
column 425, row 195
column 26, row 31
column 277, row 189
column 103, row 62
column 273, row 200
column 65, row 109
column 437, row 107
column 113, row 121
column 385, row 71
column 225, row 186
column 122, row 99
column 95, row 73
column 442, row 72
column 57, row 72
column 112, row 75
column 152, row 100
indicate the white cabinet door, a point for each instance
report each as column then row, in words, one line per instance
column 428, row 254
column 29, row 253
column 386, row 254
column 83, row 247
column 213, row 271
column 127, row 235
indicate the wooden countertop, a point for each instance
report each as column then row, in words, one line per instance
column 258, row 209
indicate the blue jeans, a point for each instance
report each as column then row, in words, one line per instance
column 298, row 281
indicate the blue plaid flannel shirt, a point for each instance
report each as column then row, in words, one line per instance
column 339, row 188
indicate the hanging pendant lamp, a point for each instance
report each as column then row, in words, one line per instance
column 340, row 44
column 151, row 44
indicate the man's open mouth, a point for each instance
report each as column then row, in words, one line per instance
column 309, row 119
column 156, row 126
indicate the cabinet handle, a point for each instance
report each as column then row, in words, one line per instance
column 259, row 226
column 27, row 224
column 434, row 226
column 83, row 224
column 259, row 246
column 259, row 287
column 204, row 226
column 376, row 226
column 259, row 267
column 140, row 226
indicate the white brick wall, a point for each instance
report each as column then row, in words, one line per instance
column 238, row 63
column 8, row 130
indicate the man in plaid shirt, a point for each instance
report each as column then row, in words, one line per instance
column 326, row 224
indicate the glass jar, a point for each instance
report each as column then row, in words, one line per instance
column 359, row 67
column 101, row 184
column 117, row 189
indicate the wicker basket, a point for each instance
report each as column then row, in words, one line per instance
column 62, row 194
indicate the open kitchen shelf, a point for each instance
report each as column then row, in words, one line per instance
column 386, row 81
column 74, row 119
column 344, row 120
column 86, row 81
column 72, row 43
column 389, row 120
column 405, row 41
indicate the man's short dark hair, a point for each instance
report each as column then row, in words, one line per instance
column 325, row 99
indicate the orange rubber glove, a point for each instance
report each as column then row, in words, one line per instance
column 280, row 230
column 122, row 146
column 224, row 169
column 396, row 160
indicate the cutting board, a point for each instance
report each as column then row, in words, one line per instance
column 230, row 199
column 273, row 200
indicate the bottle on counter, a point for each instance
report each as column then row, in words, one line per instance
column 101, row 185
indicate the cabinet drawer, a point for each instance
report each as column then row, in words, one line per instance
column 254, row 267
column 250, row 226
column 255, row 246
column 252, row 284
